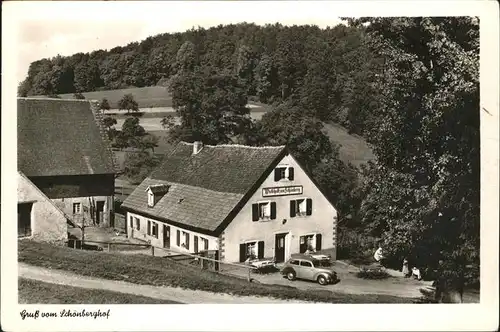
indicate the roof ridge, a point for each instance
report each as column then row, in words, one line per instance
column 239, row 146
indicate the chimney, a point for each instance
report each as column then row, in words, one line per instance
column 197, row 146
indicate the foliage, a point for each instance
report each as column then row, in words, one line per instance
column 138, row 165
column 131, row 128
column 78, row 95
column 149, row 141
column 287, row 124
column 211, row 106
column 104, row 104
column 423, row 194
column 128, row 103
column 372, row 273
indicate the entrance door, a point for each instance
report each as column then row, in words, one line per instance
column 279, row 247
column 100, row 211
column 166, row 237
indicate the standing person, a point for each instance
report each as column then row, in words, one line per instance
column 405, row 269
column 379, row 255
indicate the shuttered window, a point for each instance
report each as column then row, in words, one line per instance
column 283, row 172
column 154, row 230
column 300, row 207
column 264, row 211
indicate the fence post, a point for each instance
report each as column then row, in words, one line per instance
column 109, row 246
column 249, row 279
column 152, row 251
column 201, row 263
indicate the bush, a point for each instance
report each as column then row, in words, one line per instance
column 372, row 273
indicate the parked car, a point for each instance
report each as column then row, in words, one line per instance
column 307, row 267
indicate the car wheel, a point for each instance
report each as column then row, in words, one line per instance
column 290, row 275
column 322, row 280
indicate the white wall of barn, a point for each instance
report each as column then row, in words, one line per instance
column 158, row 241
column 321, row 221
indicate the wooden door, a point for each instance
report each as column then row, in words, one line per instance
column 279, row 247
column 166, row 237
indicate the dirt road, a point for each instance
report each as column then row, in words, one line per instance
column 165, row 293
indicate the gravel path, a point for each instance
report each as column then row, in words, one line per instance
column 165, row 293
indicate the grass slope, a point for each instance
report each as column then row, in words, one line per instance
column 153, row 96
column 157, row 271
column 39, row 292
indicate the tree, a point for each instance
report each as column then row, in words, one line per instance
column 288, row 125
column 423, row 194
column 104, row 105
column 149, row 141
column 210, row 105
column 108, row 123
column 138, row 165
column 132, row 129
column 128, row 103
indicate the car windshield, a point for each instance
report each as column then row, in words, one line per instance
column 318, row 263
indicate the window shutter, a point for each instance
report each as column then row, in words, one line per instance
column 255, row 212
column 302, row 244
column 187, row 241
column 178, row 238
column 131, row 222
column 292, row 208
column 318, row 242
column 308, row 206
column 195, row 244
column 206, row 244
column 277, row 174
column 290, row 173
column 273, row 210
column 243, row 252
column 260, row 250
column 149, row 227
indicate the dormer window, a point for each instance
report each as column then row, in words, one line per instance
column 283, row 172
column 155, row 193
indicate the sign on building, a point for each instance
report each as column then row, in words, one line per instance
column 281, row 191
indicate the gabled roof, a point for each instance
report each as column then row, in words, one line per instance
column 61, row 137
column 206, row 188
column 223, row 168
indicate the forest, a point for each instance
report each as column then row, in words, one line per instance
column 408, row 86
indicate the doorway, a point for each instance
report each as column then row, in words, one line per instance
column 99, row 212
column 166, row 237
column 279, row 247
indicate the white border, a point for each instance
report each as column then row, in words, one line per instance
column 483, row 316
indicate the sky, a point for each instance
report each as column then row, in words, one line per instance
column 104, row 25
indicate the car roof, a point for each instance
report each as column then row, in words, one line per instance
column 303, row 257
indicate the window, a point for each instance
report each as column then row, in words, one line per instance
column 24, row 219
column 151, row 199
column 306, row 263
column 300, row 207
column 149, row 227
column 154, row 230
column 195, row 244
column 311, row 242
column 205, row 243
column 178, row 238
column 284, row 172
column 137, row 224
column 251, row 250
column 264, row 211
column 185, row 244
column 77, row 208
column 131, row 222
column 294, row 262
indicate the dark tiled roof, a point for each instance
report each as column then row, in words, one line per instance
column 223, row 168
column 60, row 137
column 206, row 187
column 183, row 204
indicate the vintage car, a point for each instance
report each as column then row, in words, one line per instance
column 307, row 267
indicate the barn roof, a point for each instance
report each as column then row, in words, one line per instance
column 205, row 188
column 61, row 137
